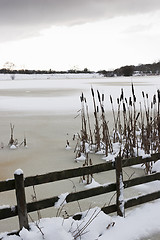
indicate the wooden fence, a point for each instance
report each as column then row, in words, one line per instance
column 19, row 184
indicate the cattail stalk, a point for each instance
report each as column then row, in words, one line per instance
column 97, row 133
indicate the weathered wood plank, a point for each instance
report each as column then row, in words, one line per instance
column 8, row 212
column 142, row 199
column 91, row 192
column 7, row 185
column 41, row 204
column 109, row 209
column 69, row 173
column 139, row 160
column 141, row 180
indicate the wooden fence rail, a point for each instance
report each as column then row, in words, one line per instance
column 23, row 208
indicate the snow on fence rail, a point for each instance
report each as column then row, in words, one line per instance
column 19, row 183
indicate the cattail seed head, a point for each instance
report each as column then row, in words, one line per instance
column 124, row 108
column 111, row 99
column 121, row 97
column 158, row 95
column 154, row 99
column 92, row 92
column 99, row 98
column 137, row 116
column 130, row 101
column 97, row 109
column 132, row 90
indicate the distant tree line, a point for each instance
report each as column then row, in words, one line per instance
column 129, row 70
column 141, row 69
column 26, row 71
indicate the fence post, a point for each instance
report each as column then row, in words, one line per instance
column 119, row 187
column 21, row 199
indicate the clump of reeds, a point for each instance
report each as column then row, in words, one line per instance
column 135, row 130
column 98, row 139
column 13, row 142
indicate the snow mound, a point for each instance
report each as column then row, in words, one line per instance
column 81, row 158
column 13, row 147
column 93, row 184
column 156, row 167
column 138, row 223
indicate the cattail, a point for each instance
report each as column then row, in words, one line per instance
column 137, row 116
column 103, row 97
column 130, row 101
column 111, row 99
column 158, row 92
column 118, row 101
column 154, row 99
column 92, row 92
column 126, row 100
column 90, row 162
column 134, row 97
column 99, row 98
column 124, row 108
column 97, row 109
column 158, row 95
column 121, row 97
column 82, row 97
column 143, row 94
column 132, row 90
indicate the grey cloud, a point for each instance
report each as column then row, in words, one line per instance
column 22, row 18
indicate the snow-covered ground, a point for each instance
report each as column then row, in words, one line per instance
column 138, row 224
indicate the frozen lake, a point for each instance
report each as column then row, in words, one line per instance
column 59, row 94
column 43, row 107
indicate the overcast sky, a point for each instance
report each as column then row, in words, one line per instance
column 65, row 34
